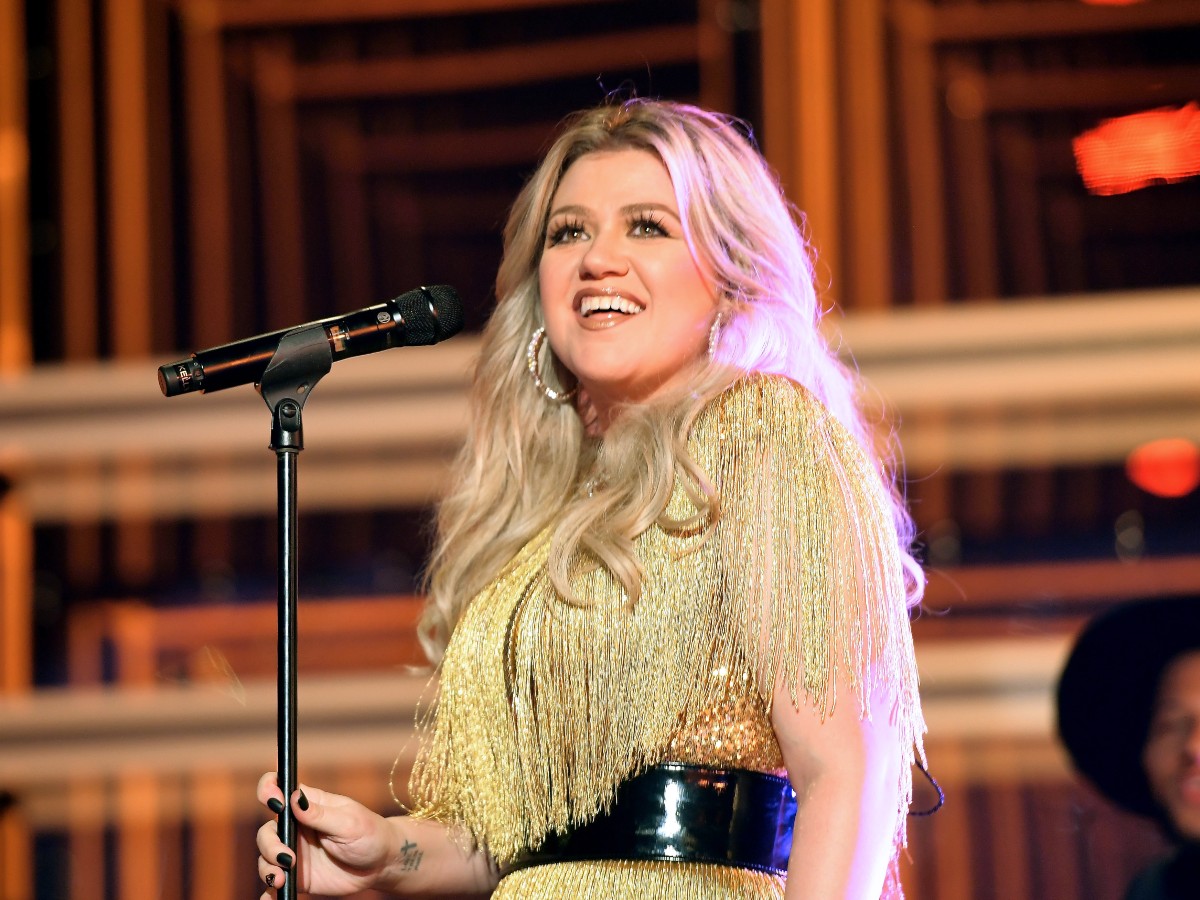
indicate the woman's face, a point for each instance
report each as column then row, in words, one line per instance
column 1171, row 756
column 626, row 305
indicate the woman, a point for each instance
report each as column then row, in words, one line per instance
column 673, row 578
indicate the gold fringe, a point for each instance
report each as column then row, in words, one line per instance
column 817, row 577
column 546, row 707
column 617, row 880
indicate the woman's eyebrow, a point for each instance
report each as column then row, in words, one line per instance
column 630, row 209
column 635, row 208
column 571, row 208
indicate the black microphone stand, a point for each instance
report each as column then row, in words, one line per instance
column 301, row 360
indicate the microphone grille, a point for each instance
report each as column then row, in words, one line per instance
column 430, row 314
column 447, row 310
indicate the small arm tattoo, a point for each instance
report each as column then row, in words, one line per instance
column 410, row 857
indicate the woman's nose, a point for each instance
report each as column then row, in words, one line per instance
column 603, row 255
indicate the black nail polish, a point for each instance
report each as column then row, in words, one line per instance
column 303, row 801
column 275, row 805
column 284, row 859
column 270, row 879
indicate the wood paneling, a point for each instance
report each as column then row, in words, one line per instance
column 169, row 771
column 128, row 229
column 78, row 214
column 977, row 109
column 16, row 593
column 135, row 644
column 14, row 193
column 221, row 167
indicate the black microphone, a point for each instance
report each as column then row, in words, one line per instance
column 424, row 316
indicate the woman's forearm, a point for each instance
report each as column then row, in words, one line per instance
column 429, row 859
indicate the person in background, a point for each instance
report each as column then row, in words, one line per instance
column 669, row 598
column 1129, row 715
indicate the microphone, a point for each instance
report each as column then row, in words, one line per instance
column 422, row 316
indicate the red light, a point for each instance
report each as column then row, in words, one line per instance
column 1155, row 147
column 1165, row 468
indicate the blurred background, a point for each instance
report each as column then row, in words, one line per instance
column 1004, row 201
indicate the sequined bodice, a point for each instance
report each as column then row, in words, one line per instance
column 733, row 732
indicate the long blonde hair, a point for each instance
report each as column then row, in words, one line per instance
column 525, row 460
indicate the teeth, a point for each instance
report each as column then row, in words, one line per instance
column 608, row 303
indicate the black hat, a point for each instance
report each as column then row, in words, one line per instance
column 1107, row 690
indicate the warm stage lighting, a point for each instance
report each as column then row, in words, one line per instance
column 1160, row 146
column 1165, row 468
column 1111, row 2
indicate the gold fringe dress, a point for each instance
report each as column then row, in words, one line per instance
column 545, row 707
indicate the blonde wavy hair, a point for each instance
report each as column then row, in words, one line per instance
column 526, row 460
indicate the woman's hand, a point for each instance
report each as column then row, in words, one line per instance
column 341, row 846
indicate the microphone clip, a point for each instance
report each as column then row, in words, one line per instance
column 302, row 358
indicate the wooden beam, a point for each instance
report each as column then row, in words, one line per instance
column 86, row 817
column 1015, row 19
column 445, row 73
column 867, row 274
column 77, row 173
column 215, row 860
column 1071, row 588
column 15, row 343
column 348, row 201
column 974, row 221
column 920, row 101
column 800, row 104
column 162, row 146
column 16, row 529
column 94, row 735
column 16, row 853
column 130, row 288
column 1079, row 381
column 715, row 55
column 210, row 229
column 16, row 592
column 1082, row 88
column 1017, row 161
column 452, row 151
column 242, row 14
column 278, row 164
column 138, row 801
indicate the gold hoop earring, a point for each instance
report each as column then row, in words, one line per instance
column 531, row 362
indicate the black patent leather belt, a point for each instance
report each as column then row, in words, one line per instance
column 681, row 813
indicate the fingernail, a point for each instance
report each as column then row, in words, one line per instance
column 284, row 859
column 275, row 805
column 303, row 801
column 270, row 879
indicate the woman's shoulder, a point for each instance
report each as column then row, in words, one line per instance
column 759, row 403
column 754, row 391
column 763, row 416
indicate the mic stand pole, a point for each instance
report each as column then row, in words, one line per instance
column 301, row 360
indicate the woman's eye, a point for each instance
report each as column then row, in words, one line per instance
column 648, row 227
column 565, row 233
